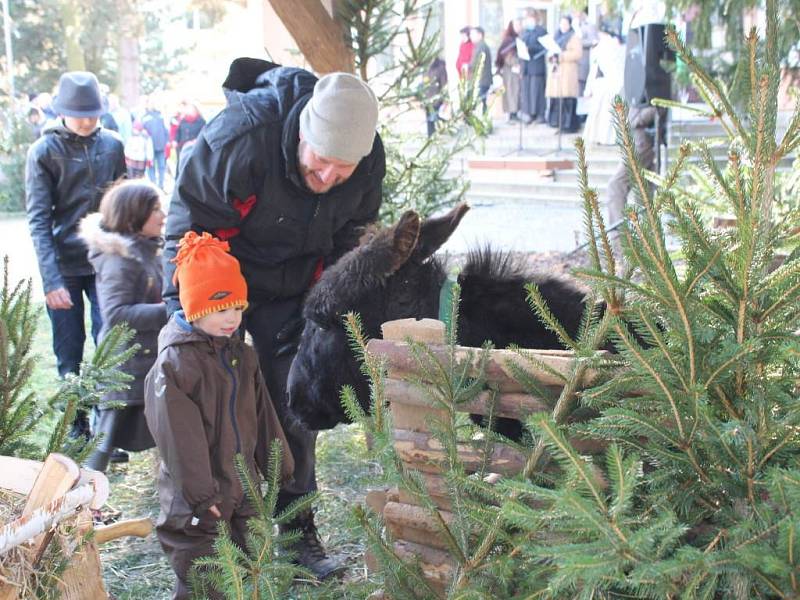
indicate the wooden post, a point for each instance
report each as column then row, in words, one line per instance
column 319, row 36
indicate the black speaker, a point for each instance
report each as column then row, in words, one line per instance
column 645, row 77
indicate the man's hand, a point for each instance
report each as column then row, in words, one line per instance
column 215, row 511
column 58, row 299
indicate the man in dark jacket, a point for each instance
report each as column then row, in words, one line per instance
column 154, row 124
column 67, row 170
column 534, row 71
column 289, row 173
column 481, row 59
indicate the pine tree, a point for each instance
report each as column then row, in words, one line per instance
column 264, row 569
column 21, row 411
column 18, row 408
column 416, row 167
column 698, row 494
column 700, row 490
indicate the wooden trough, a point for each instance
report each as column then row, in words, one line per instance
column 57, row 511
column 414, row 529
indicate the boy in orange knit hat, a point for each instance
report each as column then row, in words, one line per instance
column 206, row 402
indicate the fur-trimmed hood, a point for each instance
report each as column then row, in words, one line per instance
column 99, row 241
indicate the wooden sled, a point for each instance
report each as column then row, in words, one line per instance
column 60, row 493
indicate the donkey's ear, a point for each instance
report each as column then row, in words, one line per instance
column 404, row 239
column 436, row 231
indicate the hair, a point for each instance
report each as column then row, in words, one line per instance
column 127, row 205
column 568, row 18
column 479, row 30
column 465, row 30
column 509, row 33
column 613, row 33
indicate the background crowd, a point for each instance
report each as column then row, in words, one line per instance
column 153, row 137
column 566, row 79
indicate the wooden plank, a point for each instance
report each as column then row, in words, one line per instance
column 415, row 524
column 56, row 478
column 59, row 473
column 99, row 482
column 376, row 500
column 437, row 566
column 437, row 492
column 515, row 405
column 318, row 36
column 421, row 330
column 425, row 453
column 414, row 418
column 129, row 527
column 83, row 578
column 18, row 474
column 402, row 364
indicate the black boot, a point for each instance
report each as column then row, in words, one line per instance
column 308, row 550
column 80, row 426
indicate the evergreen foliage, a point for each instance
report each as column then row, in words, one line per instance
column 21, row 411
column 697, row 495
column 394, row 44
column 264, row 569
column 18, row 410
column 15, row 137
column 699, row 490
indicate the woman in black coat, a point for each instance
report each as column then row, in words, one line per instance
column 124, row 241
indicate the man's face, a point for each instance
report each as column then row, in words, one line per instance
column 476, row 36
column 320, row 174
column 82, row 126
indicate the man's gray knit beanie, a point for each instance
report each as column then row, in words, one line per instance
column 340, row 118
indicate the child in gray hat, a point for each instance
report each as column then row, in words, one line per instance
column 67, row 170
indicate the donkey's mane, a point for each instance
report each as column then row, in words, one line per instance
column 488, row 263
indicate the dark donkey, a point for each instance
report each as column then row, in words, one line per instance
column 396, row 276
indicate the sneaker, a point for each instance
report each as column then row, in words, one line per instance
column 308, row 550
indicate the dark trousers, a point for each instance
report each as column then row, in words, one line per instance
column 157, row 170
column 431, row 118
column 483, row 93
column 69, row 333
column 183, row 543
column 533, row 101
column 565, row 109
column 263, row 321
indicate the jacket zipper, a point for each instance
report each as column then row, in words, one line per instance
column 232, row 402
column 91, row 170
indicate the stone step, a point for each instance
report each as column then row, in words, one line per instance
column 534, row 197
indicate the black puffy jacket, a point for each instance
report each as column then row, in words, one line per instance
column 65, row 178
column 240, row 182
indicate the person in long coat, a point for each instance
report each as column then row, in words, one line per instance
column 508, row 65
column 534, row 71
column 481, row 64
column 562, row 78
column 124, row 242
column 605, row 82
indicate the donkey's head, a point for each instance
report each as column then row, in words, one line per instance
column 389, row 277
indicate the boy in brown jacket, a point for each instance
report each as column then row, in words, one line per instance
column 205, row 402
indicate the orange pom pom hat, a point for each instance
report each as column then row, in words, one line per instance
column 209, row 279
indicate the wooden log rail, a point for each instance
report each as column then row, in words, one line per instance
column 416, row 530
column 402, row 364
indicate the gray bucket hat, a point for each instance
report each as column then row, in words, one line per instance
column 78, row 95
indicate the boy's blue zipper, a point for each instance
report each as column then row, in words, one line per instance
column 232, row 403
